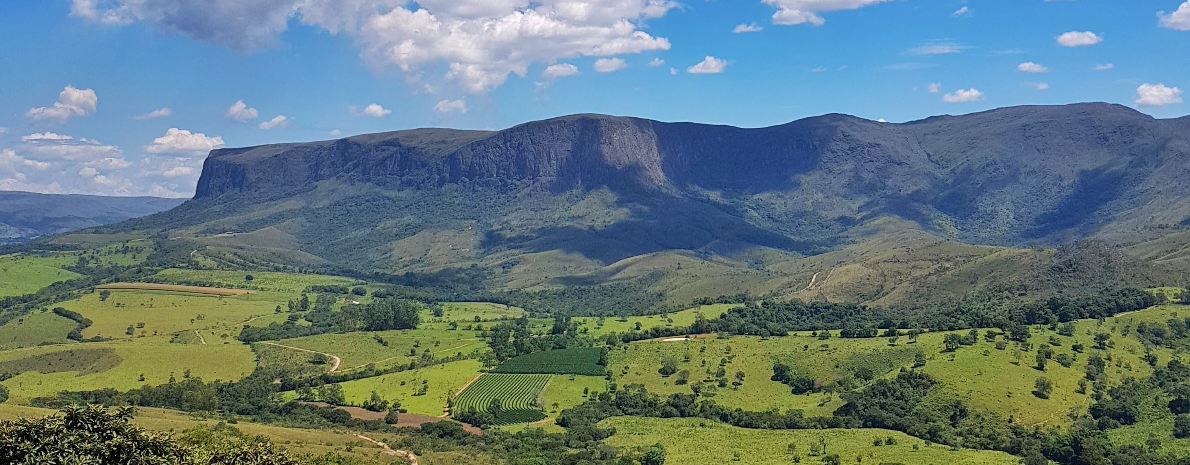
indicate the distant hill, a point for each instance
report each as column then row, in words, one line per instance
column 26, row 215
column 697, row 209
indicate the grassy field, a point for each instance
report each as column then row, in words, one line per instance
column 33, row 329
column 360, row 349
column 167, row 312
column 290, row 284
column 566, row 391
column 20, row 275
column 518, row 394
column 120, row 364
column 678, row 319
column 698, row 442
column 173, row 288
column 440, row 380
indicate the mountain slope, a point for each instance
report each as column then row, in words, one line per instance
column 26, row 215
column 589, row 199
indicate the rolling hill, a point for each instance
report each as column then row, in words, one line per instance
column 26, row 215
column 690, row 209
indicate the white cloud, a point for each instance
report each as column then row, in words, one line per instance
column 10, row 161
column 372, row 110
column 182, row 141
column 609, row 65
column 963, row 95
column 162, row 113
column 881, row 120
column 935, row 87
column 88, row 172
column 808, row 11
column 1040, row 85
column 45, row 136
column 656, row 63
column 71, row 102
column 1157, row 95
column 1031, row 67
column 964, row 11
column 742, row 28
column 709, row 65
column 1079, row 39
column 559, row 70
column 278, row 121
column 818, row 70
column 336, row 132
column 478, row 43
column 447, row 106
column 1179, row 20
column 1104, row 67
column 937, row 48
column 673, row 71
column 240, row 111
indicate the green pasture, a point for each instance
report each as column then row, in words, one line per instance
column 440, row 381
column 684, row 318
column 23, row 274
column 33, row 329
column 359, row 349
column 164, row 312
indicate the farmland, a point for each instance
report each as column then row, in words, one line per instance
column 360, row 349
column 518, row 395
column 702, row 442
column 403, row 387
column 21, row 275
column 200, row 290
column 155, row 312
column 683, row 318
column 576, row 361
column 33, row 329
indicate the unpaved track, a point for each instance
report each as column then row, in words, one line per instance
column 390, row 451
column 201, row 339
column 335, row 358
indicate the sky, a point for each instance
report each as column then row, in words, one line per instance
column 127, row 97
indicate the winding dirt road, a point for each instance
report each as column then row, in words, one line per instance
column 390, row 451
column 335, row 358
column 201, row 339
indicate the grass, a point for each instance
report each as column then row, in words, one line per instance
column 291, row 284
column 215, row 291
column 167, row 313
column 575, row 361
column 684, row 318
column 22, row 274
column 154, row 357
column 518, row 394
column 566, row 391
column 697, row 441
column 360, row 349
column 440, row 380
column 33, row 329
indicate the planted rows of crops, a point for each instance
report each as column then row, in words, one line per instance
column 517, row 395
column 576, row 361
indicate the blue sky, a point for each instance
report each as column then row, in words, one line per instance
column 95, row 70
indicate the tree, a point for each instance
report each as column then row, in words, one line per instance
column 104, row 294
column 3, row 394
column 393, row 416
column 375, row 403
column 495, row 406
column 1181, row 426
column 1102, row 340
column 919, row 360
column 359, row 291
column 1035, row 458
column 331, row 394
column 669, row 366
column 654, row 456
column 1043, row 387
column 248, row 278
column 683, row 377
column 952, row 342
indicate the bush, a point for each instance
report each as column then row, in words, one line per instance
column 1181, row 426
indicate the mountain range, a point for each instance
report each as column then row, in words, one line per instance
column 26, row 215
column 832, row 206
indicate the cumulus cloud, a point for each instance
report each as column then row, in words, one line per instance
column 1079, row 39
column 372, row 111
column 13, row 163
column 609, row 65
column 934, row 87
column 559, row 70
column 709, row 65
column 162, row 113
column 475, row 44
column 45, row 136
column 963, row 95
column 1179, row 20
column 791, row 12
column 1104, row 67
column 241, row 112
column 937, row 48
column 447, row 106
column 1040, row 85
column 335, row 132
column 278, row 121
column 964, row 11
column 1031, row 67
column 1157, row 95
column 742, row 28
column 656, row 63
column 71, row 102
column 50, row 146
column 182, row 141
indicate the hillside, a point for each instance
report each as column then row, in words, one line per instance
column 26, row 215
column 698, row 209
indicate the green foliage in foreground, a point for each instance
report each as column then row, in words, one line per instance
column 573, row 361
column 85, row 435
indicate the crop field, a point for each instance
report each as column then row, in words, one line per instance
column 692, row 441
column 439, row 380
column 33, row 329
column 120, row 365
column 576, row 361
column 677, row 319
column 518, row 395
column 291, row 284
column 215, row 291
column 362, row 348
column 20, row 275
column 166, row 313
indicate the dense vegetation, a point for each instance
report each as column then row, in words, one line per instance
column 573, row 361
